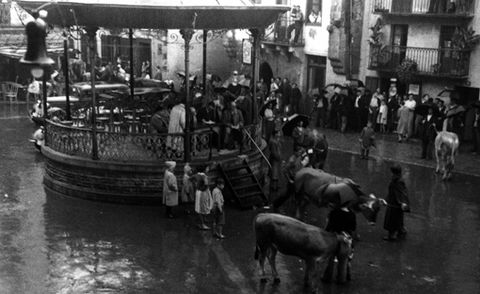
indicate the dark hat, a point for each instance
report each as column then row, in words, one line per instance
column 396, row 169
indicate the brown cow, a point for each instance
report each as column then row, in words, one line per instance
column 276, row 232
column 446, row 148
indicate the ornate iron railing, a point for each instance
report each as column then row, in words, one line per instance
column 283, row 32
column 148, row 147
column 444, row 62
column 419, row 7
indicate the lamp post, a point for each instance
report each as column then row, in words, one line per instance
column 36, row 56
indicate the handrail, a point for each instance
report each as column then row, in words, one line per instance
column 258, row 148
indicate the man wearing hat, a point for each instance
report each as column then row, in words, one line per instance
column 170, row 189
column 397, row 203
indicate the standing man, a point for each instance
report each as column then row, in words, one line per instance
column 295, row 98
column 297, row 25
column 274, row 146
column 170, row 189
column 321, row 106
column 392, row 106
column 293, row 165
column 397, row 203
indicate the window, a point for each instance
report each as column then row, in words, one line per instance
column 314, row 12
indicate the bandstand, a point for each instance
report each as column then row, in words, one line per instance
column 103, row 162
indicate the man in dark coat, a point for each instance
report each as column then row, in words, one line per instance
column 392, row 106
column 293, row 165
column 275, row 158
column 295, row 98
column 428, row 132
column 397, row 203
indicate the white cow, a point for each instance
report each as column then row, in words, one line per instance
column 446, row 148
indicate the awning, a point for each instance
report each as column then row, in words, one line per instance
column 158, row 14
column 17, row 53
column 14, row 45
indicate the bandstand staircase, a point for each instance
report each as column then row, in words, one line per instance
column 244, row 188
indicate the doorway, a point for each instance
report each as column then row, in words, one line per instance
column 316, row 72
column 399, row 43
column 265, row 73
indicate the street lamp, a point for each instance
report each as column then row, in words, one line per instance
column 36, row 56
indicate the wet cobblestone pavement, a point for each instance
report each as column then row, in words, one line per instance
column 388, row 148
column 53, row 244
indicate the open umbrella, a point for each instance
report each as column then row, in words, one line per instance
column 182, row 75
column 292, row 122
column 422, row 109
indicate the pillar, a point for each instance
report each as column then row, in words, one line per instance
column 92, row 33
column 187, row 36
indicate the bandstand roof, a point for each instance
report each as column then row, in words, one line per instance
column 158, row 14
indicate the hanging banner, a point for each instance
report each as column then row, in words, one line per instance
column 247, row 51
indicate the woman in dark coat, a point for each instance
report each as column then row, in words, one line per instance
column 397, row 203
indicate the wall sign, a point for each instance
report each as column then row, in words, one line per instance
column 247, row 51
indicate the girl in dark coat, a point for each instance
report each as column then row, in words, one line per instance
column 397, row 203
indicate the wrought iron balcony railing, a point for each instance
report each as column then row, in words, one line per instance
column 423, row 7
column 284, row 32
column 441, row 62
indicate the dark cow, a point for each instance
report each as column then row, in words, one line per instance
column 327, row 190
column 276, row 232
column 446, row 148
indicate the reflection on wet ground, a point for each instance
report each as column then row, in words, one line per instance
column 52, row 244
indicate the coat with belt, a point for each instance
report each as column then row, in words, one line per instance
column 170, row 189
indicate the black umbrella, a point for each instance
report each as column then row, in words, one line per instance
column 422, row 109
column 292, row 122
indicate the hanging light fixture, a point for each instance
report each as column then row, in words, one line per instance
column 36, row 56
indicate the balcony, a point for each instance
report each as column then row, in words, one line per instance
column 278, row 33
column 440, row 62
column 423, row 8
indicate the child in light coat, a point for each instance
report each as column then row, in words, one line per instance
column 382, row 116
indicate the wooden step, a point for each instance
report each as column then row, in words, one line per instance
column 244, row 187
column 235, row 168
column 240, row 177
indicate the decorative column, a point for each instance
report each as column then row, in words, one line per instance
column 44, row 93
column 66, row 74
column 255, row 35
column 92, row 33
column 187, row 36
column 132, row 78
column 205, row 33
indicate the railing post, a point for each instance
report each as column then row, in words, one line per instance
column 187, row 36
column 92, row 33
